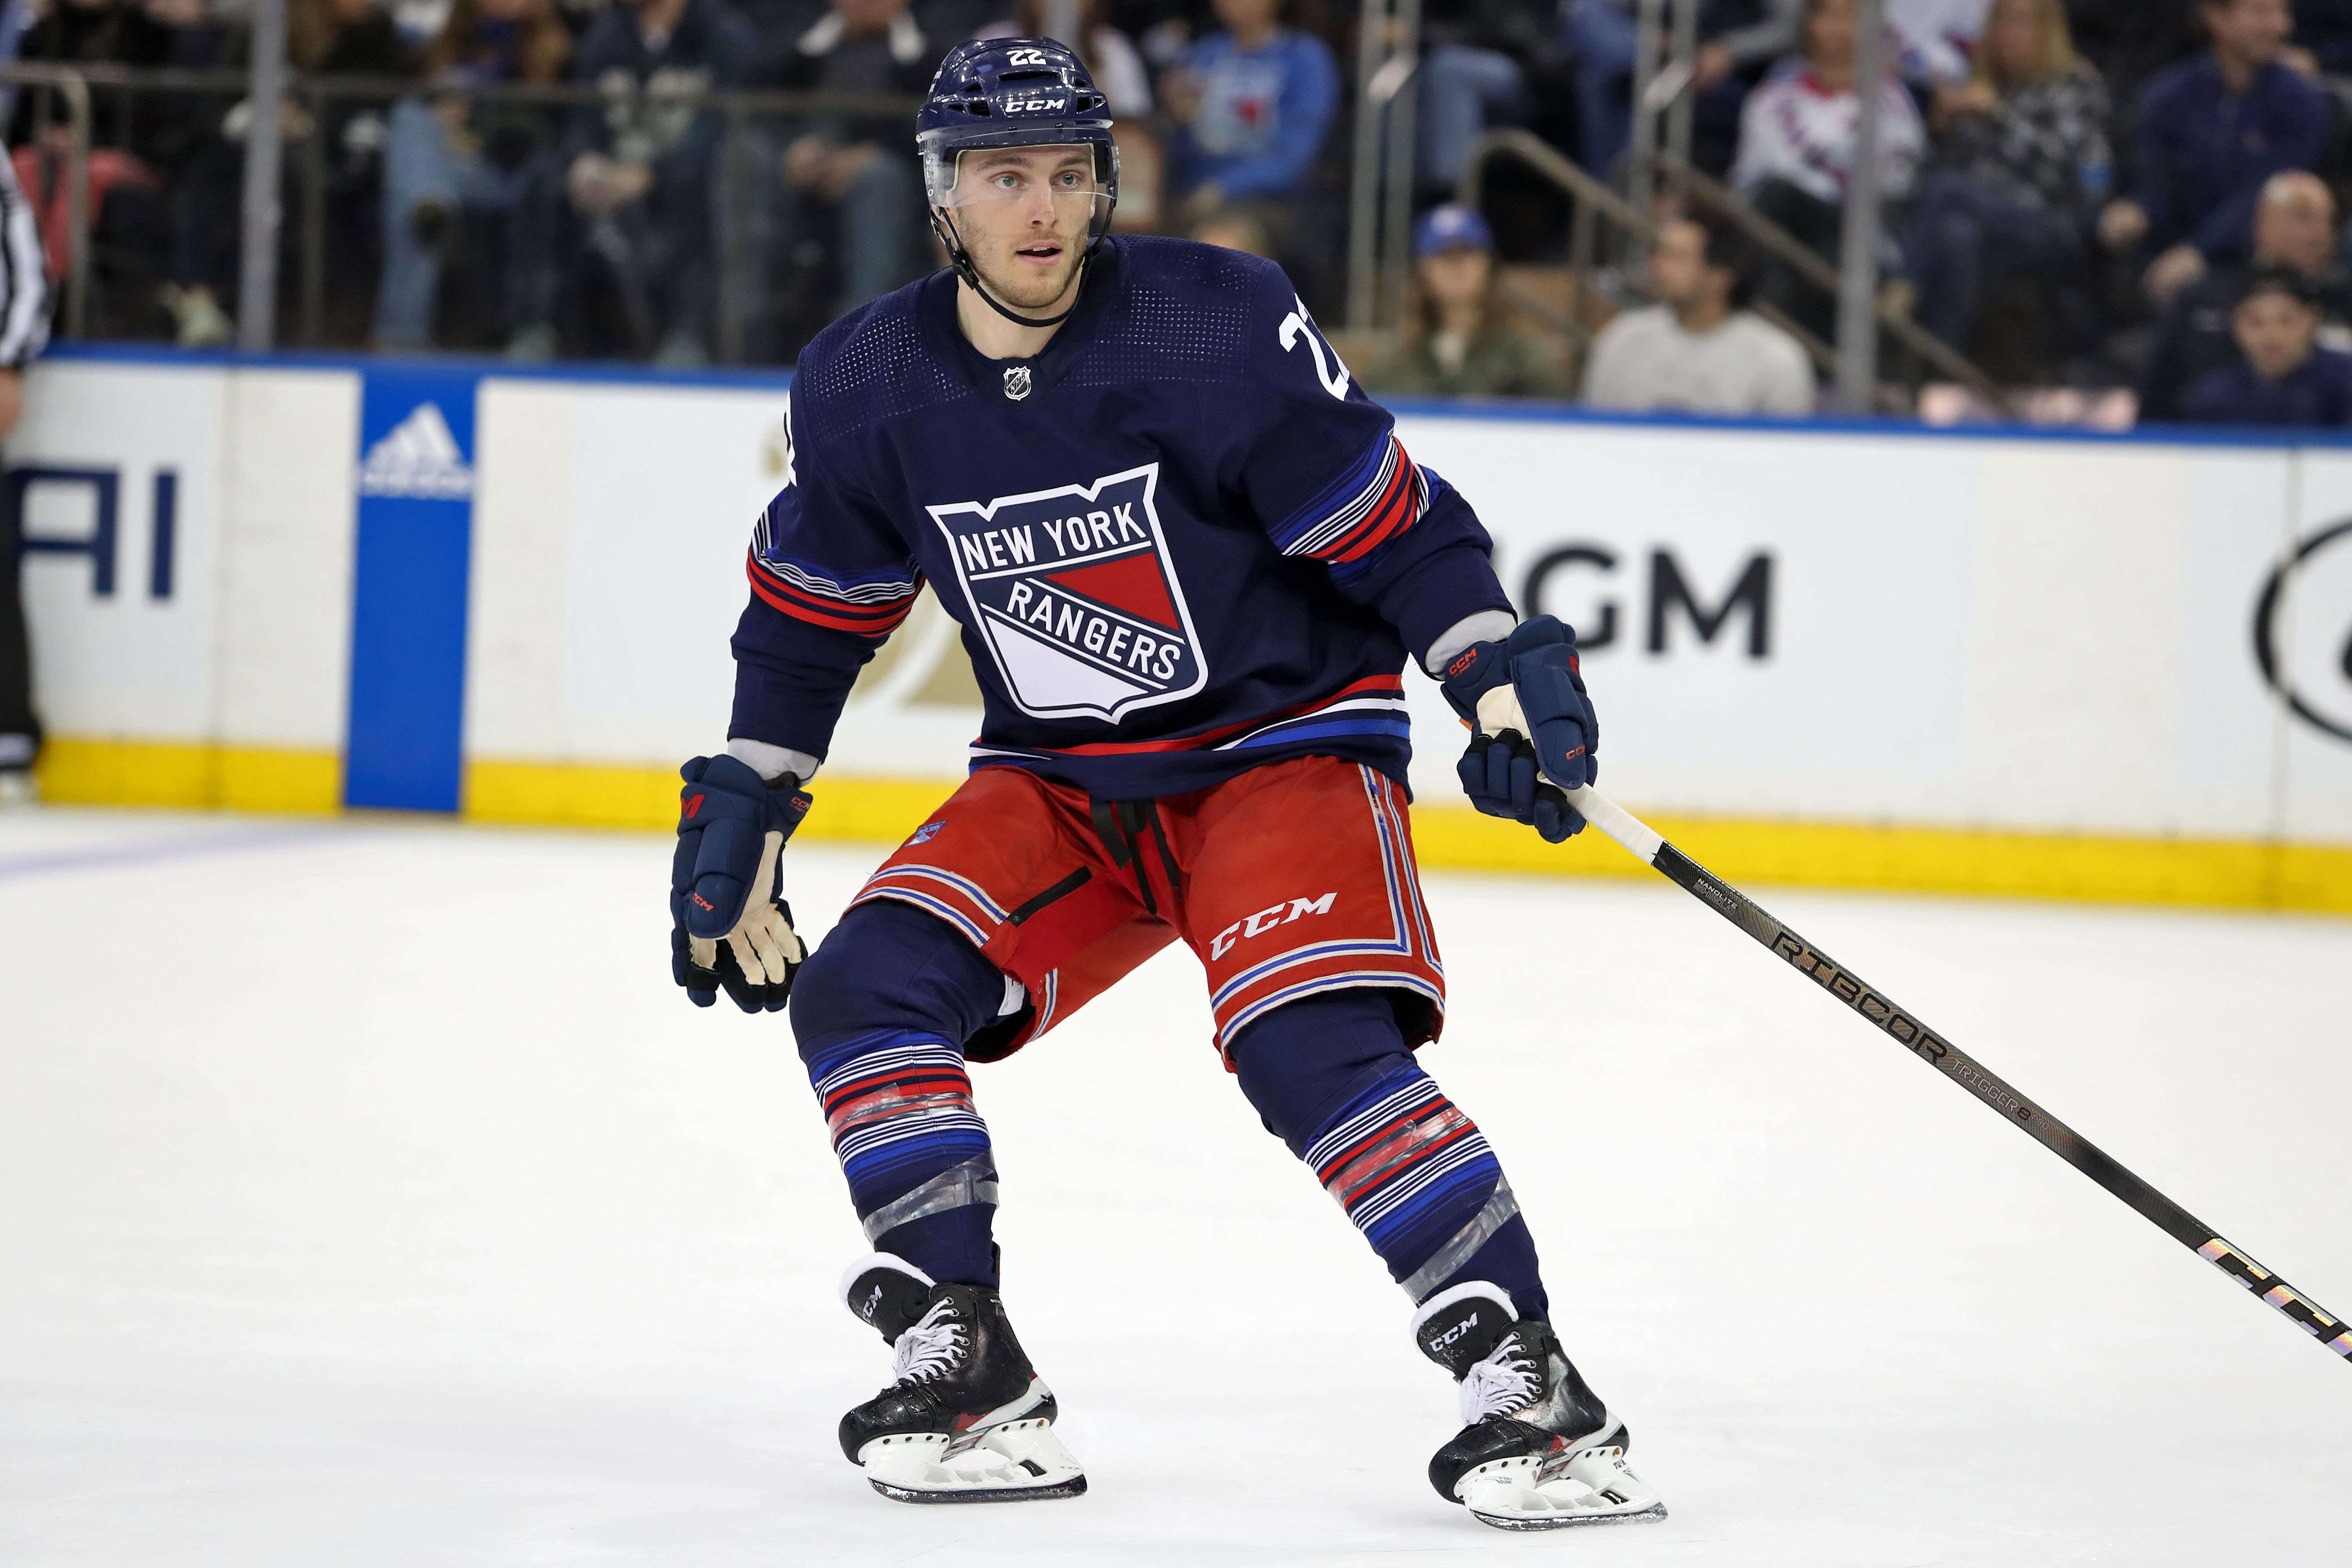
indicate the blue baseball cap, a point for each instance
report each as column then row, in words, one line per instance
column 1441, row 228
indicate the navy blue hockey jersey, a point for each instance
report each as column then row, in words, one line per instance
column 1180, row 541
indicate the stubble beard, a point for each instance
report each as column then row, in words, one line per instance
column 1025, row 290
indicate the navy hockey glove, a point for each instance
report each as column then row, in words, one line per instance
column 728, row 929
column 1534, row 732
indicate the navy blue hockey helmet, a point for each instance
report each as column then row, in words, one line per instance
column 1012, row 92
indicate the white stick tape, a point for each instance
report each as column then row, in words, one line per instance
column 1616, row 821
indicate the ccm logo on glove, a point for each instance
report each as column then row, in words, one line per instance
column 1534, row 736
column 731, row 928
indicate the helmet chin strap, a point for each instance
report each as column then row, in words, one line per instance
column 961, row 259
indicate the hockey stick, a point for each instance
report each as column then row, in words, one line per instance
column 1958, row 1065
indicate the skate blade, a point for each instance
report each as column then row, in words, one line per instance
column 1596, row 1487
column 1016, row 1462
column 1573, row 1520
column 1075, row 1487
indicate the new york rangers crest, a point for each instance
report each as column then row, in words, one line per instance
column 1072, row 591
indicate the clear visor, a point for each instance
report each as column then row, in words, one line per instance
column 1071, row 177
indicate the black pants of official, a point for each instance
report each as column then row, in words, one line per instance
column 20, row 731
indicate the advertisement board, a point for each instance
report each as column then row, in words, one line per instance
column 448, row 584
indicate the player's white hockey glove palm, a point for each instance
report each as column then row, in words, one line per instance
column 730, row 928
column 1534, row 733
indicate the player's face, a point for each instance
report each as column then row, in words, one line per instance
column 1023, row 214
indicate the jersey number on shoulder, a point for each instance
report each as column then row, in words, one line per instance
column 1299, row 325
column 784, row 453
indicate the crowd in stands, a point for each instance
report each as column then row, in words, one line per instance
column 2138, row 193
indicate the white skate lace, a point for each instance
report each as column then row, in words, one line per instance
column 1506, row 1381
column 930, row 1348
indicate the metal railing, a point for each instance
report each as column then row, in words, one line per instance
column 1379, row 211
column 1378, row 235
column 737, row 107
column 85, row 88
column 1664, row 77
column 74, row 88
column 1595, row 203
column 1807, row 264
column 1664, row 99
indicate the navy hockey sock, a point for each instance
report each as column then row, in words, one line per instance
column 881, row 1011
column 1328, row 1075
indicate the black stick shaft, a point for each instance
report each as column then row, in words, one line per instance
column 1906, row 1031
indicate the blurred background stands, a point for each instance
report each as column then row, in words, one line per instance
column 2062, row 196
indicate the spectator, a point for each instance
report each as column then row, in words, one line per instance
column 1603, row 35
column 2212, row 129
column 324, row 38
column 1739, row 41
column 126, row 230
column 453, row 164
column 355, row 38
column 856, row 179
column 1253, row 105
column 629, row 207
column 124, row 190
column 2294, row 226
column 2284, row 378
column 1797, row 146
column 2022, row 161
column 1735, row 36
column 145, row 33
column 1457, row 340
column 1472, row 76
column 24, row 328
column 1699, row 349
column 143, row 147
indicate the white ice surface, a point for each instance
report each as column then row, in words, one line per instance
column 369, row 1197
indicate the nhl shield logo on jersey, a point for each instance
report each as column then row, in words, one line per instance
column 1074, row 593
column 1016, row 382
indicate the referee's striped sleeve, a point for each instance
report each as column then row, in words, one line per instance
column 24, row 281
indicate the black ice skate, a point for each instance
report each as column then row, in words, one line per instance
column 1540, row 1450
column 966, row 1419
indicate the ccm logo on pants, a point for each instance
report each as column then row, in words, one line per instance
column 1267, row 919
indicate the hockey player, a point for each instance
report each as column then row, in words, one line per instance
column 1191, row 560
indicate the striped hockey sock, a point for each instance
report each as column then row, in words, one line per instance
column 1418, row 1178
column 916, row 1153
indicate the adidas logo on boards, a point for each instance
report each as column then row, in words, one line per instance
column 417, row 457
